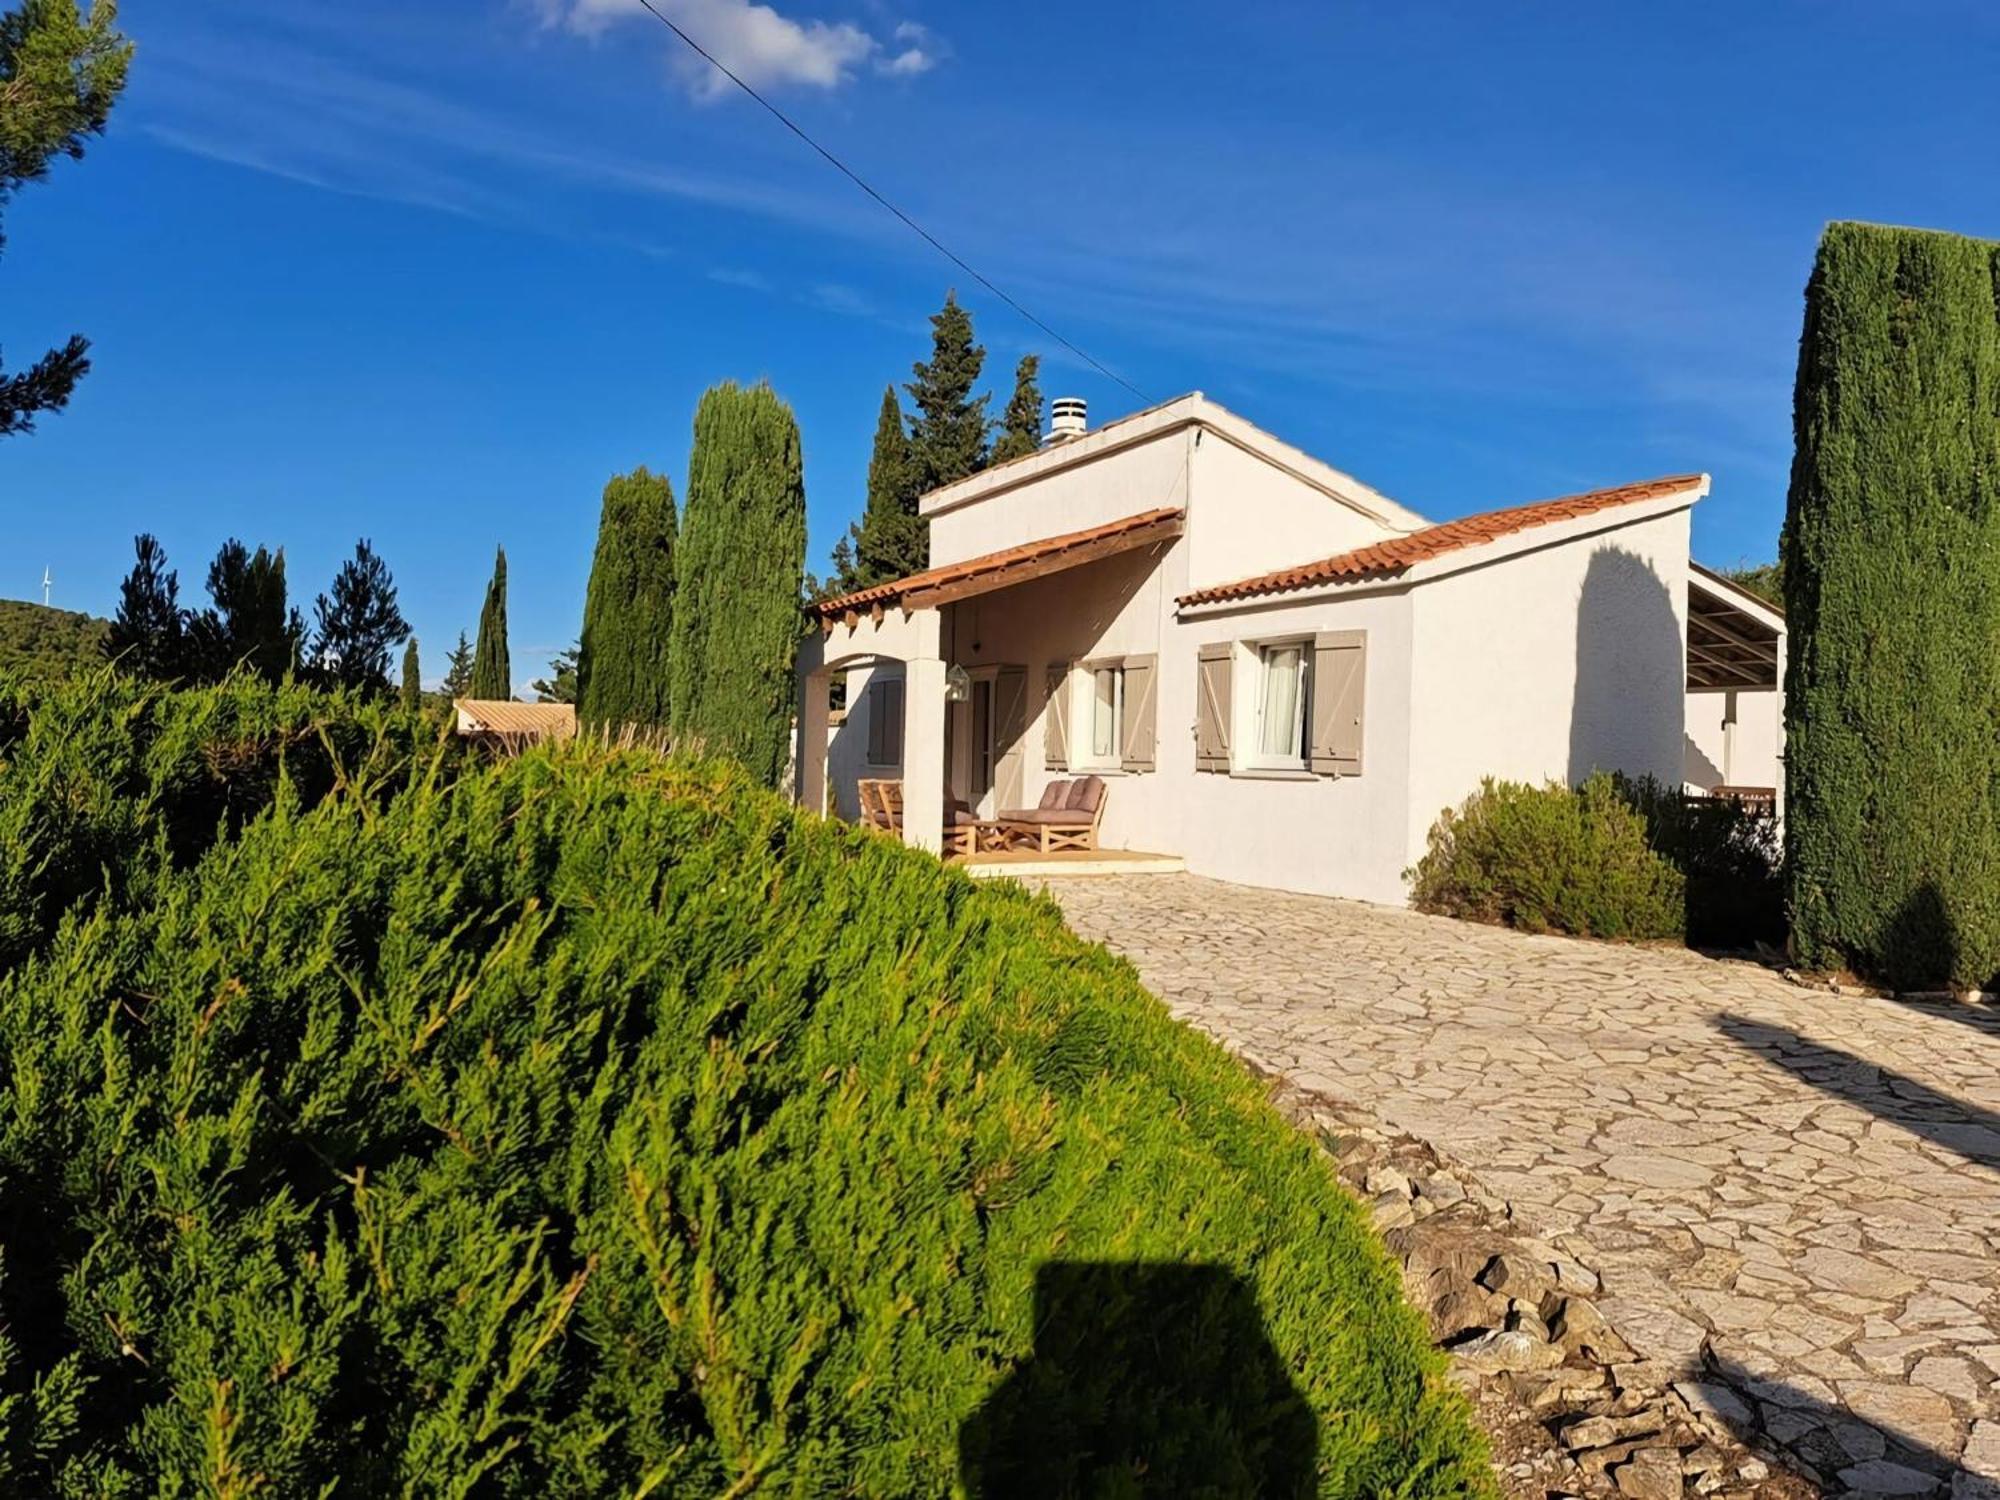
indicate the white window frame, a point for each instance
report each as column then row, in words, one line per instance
column 891, row 732
column 1083, row 716
column 1253, row 756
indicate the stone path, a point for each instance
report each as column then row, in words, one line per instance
column 1791, row 1193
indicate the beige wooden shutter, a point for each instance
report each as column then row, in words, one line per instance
column 1010, row 714
column 1136, row 732
column 878, row 741
column 1055, row 719
column 1339, row 682
column 1211, row 707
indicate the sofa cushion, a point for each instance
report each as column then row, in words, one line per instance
column 1085, row 793
column 1060, row 816
column 1055, row 795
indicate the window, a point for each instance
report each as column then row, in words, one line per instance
column 1107, row 715
column 1283, row 681
column 885, row 723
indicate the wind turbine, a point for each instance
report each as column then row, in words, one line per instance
column 47, row 584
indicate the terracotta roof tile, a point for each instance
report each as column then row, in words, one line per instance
column 1165, row 521
column 1394, row 555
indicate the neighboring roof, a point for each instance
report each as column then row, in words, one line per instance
column 1153, row 422
column 1728, row 588
column 503, row 716
column 992, row 570
column 1397, row 554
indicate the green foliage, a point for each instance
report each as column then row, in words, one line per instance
column 358, row 624
column 1021, row 423
column 458, row 668
column 1549, row 858
column 413, row 681
column 741, row 562
column 1729, row 858
column 1893, row 681
column 628, row 613
column 148, row 633
column 560, row 685
column 37, row 641
column 948, row 432
column 594, row 1124
column 492, row 664
column 1765, row 580
column 890, row 540
column 249, row 627
column 60, row 72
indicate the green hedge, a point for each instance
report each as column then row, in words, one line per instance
column 1549, row 858
column 1729, row 860
column 1892, row 532
column 595, row 1124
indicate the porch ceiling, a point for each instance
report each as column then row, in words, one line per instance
column 1727, row 646
column 998, row 570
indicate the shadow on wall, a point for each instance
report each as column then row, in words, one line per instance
column 1150, row 1379
column 1965, row 1129
column 1696, row 768
column 1919, row 942
column 1628, row 713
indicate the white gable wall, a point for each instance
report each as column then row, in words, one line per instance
column 1249, row 516
column 1550, row 664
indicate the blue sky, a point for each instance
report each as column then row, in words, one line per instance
column 431, row 273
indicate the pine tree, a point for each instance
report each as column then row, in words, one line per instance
column 249, row 627
column 358, row 623
column 740, row 564
column 1892, row 691
column 492, row 669
column 413, row 685
column 628, row 612
column 1021, row 423
column 890, row 540
column 948, row 432
column 458, row 669
column 560, row 685
column 148, row 634
column 60, row 73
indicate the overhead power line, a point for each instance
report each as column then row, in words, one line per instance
column 859, row 181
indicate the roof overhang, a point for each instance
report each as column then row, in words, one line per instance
column 1735, row 640
column 1004, row 569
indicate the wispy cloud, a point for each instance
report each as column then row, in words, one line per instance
column 762, row 46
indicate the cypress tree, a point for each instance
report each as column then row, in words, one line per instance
column 948, row 432
column 628, row 613
column 1892, row 536
column 147, row 636
column 1021, row 423
column 891, row 540
column 492, row 671
column 413, row 687
column 248, row 628
column 740, row 562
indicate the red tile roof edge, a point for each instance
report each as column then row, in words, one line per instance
column 1396, row 554
column 990, row 562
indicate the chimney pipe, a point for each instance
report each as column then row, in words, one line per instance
column 1067, row 419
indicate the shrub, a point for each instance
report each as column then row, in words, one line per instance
column 1729, row 859
column 596, row 1123
column 1892, row 686
column 1548, row 858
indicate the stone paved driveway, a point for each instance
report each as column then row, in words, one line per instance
column 1799, row 1192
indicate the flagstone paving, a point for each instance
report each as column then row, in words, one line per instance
column 1790, row 1192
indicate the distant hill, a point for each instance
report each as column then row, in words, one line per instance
column 47, row 642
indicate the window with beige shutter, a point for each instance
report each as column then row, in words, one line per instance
column 1055, row 718
column 1339, row 701
column 1137, row 714
column 1211, row 707
column 885, row 723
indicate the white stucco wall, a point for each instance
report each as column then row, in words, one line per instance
column 1254, row 517
column 847, row 742
column 1551, row 664
column 1149, row 475
column 1752, row 756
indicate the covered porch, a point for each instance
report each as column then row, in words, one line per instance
column 939, row 684
column 1735, row 694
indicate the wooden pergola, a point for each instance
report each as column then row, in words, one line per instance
column 1735, row 641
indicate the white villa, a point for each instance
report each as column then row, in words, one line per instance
column 1280, row 674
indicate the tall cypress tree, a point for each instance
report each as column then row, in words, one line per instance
column 413, row 686
column 948, row 432
column 891, row 539
column 740, row 563
column 148, row 633
column 1892, row 533
column 492, row 669
column 628, row 612
column 1021, row 423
